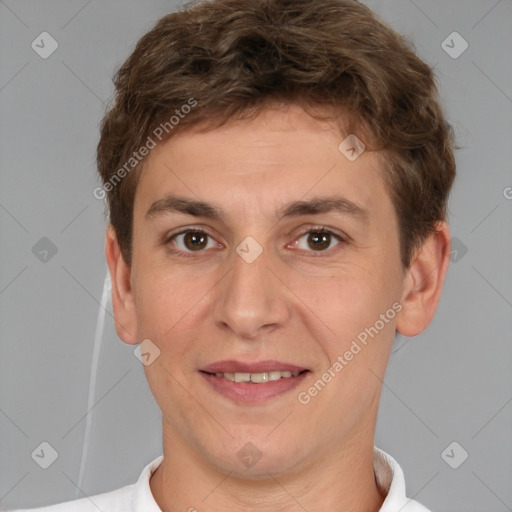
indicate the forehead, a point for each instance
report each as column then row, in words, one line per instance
column 282, row 155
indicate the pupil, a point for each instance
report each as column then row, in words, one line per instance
column 323, row 238
column 195, row 240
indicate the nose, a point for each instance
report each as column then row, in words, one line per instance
column 251, row 300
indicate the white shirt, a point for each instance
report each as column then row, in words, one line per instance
column 138, row 498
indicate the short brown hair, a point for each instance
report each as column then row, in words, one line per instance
column 230, row 58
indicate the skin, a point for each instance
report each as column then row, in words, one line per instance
column 294, row 303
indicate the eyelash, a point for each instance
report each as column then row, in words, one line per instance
column 190, row 254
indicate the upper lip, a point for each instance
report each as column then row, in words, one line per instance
column 233, row 366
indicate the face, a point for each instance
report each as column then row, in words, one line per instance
column 259, row 248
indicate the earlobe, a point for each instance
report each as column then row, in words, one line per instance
column 123, row 302
column 423, row 283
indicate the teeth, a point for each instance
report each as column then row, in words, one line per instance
column 257, row 378
column 242, row 377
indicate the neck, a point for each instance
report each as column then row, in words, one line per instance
column 341, row 479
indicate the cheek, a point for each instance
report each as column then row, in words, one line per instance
column 165, row 300
column 347, row 307
column 348, row 297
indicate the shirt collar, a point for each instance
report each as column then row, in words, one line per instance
column 390, row 480
column 388, row 476
column 143, row 500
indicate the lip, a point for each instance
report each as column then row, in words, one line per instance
column 249, row 392
column 234, row 366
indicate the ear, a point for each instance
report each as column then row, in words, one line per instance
column 423, row 282
column 123, row 303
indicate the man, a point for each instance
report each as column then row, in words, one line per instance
column 277, row 174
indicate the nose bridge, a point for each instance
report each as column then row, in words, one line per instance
column 250, row 298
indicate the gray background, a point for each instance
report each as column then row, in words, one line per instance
column 66, row 381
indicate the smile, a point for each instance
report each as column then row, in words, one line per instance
column 253, row 387
column 257, row 378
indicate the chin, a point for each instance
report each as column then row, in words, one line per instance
column 254, row 460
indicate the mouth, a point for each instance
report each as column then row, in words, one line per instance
column 257, row 378
column 252, row 382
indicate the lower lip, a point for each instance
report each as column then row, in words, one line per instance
column 247, row 392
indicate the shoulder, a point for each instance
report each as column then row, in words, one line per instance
column 130, row 498
column 414, row 506
column 120, row 500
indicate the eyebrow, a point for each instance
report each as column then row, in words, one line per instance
column 338, row 204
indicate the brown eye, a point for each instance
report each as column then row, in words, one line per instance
column 195, row 240
column 191, row 241
column 318, row 240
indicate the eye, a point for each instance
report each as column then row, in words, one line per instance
column 189, row 241
column 320, row 240
column 194, row 240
